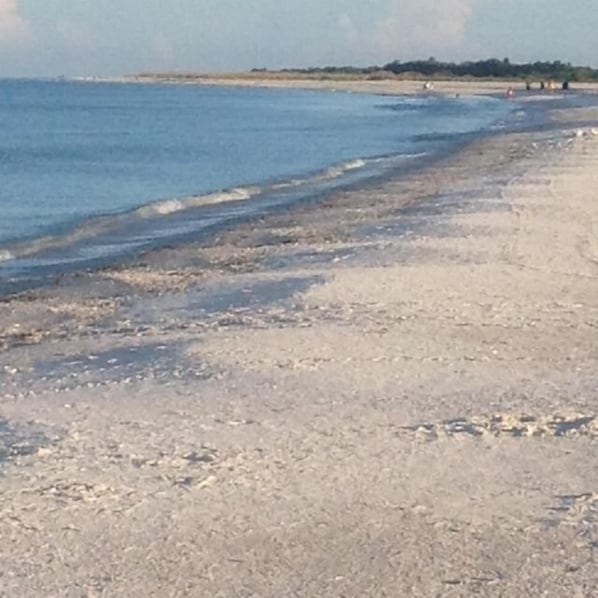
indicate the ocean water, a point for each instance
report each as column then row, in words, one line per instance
column 93, row 171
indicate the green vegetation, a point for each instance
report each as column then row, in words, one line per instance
column 491, row 68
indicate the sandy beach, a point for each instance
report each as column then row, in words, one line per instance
column 389, row 393
column 383, row 86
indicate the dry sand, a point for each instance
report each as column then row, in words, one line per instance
column 387, row 86
column 393, row 394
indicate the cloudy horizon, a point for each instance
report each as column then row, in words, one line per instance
column 115, row 37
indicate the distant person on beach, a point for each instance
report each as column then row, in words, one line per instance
column 510, row 92
column 565, row 85
column 528, row 85
column 542, row 85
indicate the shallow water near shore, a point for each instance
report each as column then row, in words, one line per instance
column 95, row 172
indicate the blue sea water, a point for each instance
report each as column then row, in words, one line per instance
column 90, row 170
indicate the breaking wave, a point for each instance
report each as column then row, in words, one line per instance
column 159, row 219
column 5, row 255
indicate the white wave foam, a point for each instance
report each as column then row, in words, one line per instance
column 165, row 207
column 6, row 255
column 238, row 194
column 336, row 171
column 171, row 206
column 354, row 164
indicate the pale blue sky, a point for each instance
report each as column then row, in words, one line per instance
column 112, row 37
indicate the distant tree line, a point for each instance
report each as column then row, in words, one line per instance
column 493, row 67
column 490, row 68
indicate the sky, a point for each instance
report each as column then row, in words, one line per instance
column 116, row 37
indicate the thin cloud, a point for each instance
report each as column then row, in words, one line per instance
column 417, row 25
column 12, row 26
column 411, row 28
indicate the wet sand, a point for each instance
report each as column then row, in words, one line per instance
column 390, row 394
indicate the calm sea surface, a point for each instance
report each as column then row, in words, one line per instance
column 88, row 170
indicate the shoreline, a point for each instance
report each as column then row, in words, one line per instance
column 79, row 245
column 391, row 393
column 42, row 253
column 37, row 253
column 388, row 86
